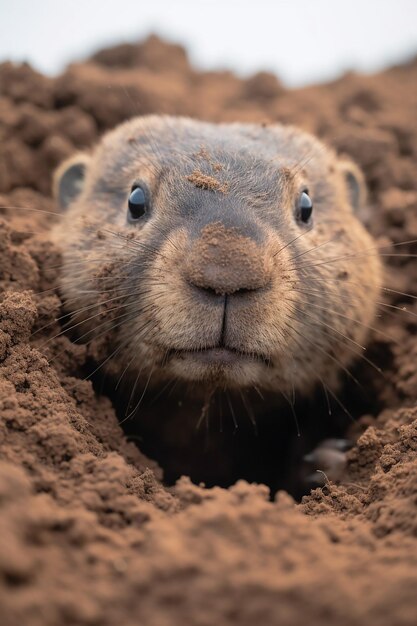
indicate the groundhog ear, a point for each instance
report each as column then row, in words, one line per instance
column 355, row 184
column 69, row 179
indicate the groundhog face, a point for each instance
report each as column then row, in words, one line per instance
column 223, row 255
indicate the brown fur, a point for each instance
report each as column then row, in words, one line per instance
column 292, row 292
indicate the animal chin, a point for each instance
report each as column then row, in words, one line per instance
column 228, row 365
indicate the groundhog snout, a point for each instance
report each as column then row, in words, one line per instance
column 224, row 262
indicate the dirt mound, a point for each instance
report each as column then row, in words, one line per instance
column 88, row 533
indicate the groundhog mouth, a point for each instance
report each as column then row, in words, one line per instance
column 220, row 356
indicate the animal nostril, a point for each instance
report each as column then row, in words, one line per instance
column 210, row 291
column 222, row 290
column 206, row 290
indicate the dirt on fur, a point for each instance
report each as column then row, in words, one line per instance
column 89, row 534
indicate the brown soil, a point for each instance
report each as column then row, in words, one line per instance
column 88, row 533
column 204, row 181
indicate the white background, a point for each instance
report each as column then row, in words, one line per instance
column 303, row 41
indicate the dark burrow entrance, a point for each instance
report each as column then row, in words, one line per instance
column 251, row 436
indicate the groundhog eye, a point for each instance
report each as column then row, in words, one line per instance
column 137, row 204
column 305, row 207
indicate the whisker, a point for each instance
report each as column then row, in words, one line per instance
column 315, row 248
column 129, row 363
column 258, row 391
column 294, row 414
column 326, row 395
column 351, row 282
column 326, row 353
column 132, row 393
column 305, row 160
column 32, row 209
column 235, row 424
column 76, row 313
column 319, row 322
column 378, row 303
column 340, row 403
column 333, row 312
column 322, row 322
column 292, row 241
column 83, row 321
column 111, row 355
column 93, row 330
column 129, row 315
column 204, row 415
column 161, row 392
column 140, row 399
column 397, row 308
column 249, row 412
column 358, row 255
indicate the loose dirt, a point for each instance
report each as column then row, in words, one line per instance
column 89, row 535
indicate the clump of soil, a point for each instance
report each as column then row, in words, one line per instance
column 88, row 533
column 205, row 181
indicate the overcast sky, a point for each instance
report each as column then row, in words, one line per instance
column 302, row 41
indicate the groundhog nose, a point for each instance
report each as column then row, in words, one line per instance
column 225, row 262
